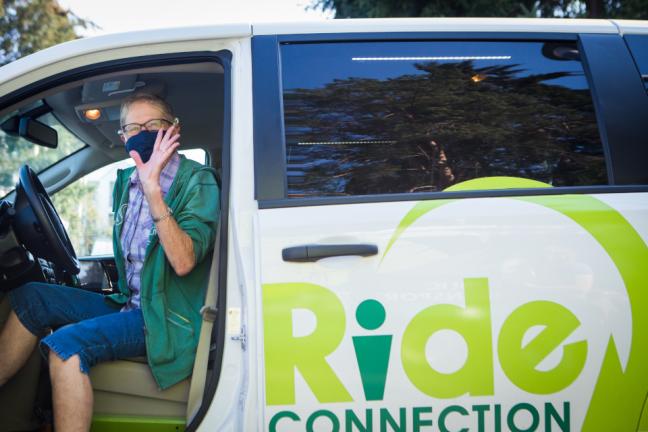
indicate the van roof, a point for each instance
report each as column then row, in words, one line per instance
column 93, row 44
column 397, row 25
column 96, row 44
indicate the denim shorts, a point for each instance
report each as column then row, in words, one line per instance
column 83, row 323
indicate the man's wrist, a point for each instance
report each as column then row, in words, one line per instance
column 166, row 215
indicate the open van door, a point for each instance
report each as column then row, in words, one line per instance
column 79, row 86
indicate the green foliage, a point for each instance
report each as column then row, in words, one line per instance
column 626, row 9
column 27, row 26
column 17, row 151
column 419, row 8
column 76, row 207
column 74, row 203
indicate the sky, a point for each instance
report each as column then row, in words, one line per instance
column 126, row 15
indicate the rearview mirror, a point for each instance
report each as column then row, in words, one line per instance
column 38, row 132
column 32, row 130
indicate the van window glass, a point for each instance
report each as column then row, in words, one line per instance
column 638, row 45
column 402, row 117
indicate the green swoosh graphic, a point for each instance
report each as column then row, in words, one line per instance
column 618, row 396
column 419, row 210
column 483, row 183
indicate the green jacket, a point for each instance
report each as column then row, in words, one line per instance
column 171, row 304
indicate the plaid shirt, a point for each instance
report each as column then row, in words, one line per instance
column 138, row 224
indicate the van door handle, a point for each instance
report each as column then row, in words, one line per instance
column 312, row 253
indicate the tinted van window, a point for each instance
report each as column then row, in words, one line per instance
column 638, row 45
column 402, row 117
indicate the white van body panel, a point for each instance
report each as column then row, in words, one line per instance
column 526, row 252
column 632, row 26
column 236, row 402
column 88, row 51
column 633, row 209
column 394, row 25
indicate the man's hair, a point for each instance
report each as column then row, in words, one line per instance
column 157, row 101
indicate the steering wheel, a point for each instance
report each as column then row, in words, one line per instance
column 39, row 226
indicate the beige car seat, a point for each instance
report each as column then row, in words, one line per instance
column 127, row 387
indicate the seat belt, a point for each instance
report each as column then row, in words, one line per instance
column 209, row 313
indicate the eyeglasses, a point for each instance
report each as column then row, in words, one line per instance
column 153, row 125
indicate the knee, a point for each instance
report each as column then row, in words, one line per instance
column 56, row 363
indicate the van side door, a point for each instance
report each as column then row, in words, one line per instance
column 452, row 231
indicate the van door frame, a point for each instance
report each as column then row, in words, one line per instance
column 224, row 58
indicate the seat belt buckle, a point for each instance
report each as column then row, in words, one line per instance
column 208, row 313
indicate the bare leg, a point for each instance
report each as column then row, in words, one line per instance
column 16, row 344
column 71, row 395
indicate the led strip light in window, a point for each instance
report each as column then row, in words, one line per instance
column 345, row 142
column 431, row 58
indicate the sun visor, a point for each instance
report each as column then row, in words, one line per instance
column 111, row 88
column 101, row 99
column 117, row 87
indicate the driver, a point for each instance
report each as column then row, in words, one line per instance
column 166, row 210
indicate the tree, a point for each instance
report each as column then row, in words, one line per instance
column 75, row 203
column 27, row 26
column 77, row 209
column 626, row 9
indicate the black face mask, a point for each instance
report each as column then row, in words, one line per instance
column 142, row 143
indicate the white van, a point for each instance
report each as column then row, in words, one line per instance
column 427, row 225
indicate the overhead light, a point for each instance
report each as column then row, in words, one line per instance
column 478, row 78
column 92, row 114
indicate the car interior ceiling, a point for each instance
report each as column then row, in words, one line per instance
column 195, row 91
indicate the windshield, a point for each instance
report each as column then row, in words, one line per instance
column 16, row 151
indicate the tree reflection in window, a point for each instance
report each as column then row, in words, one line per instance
column 441, row 124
